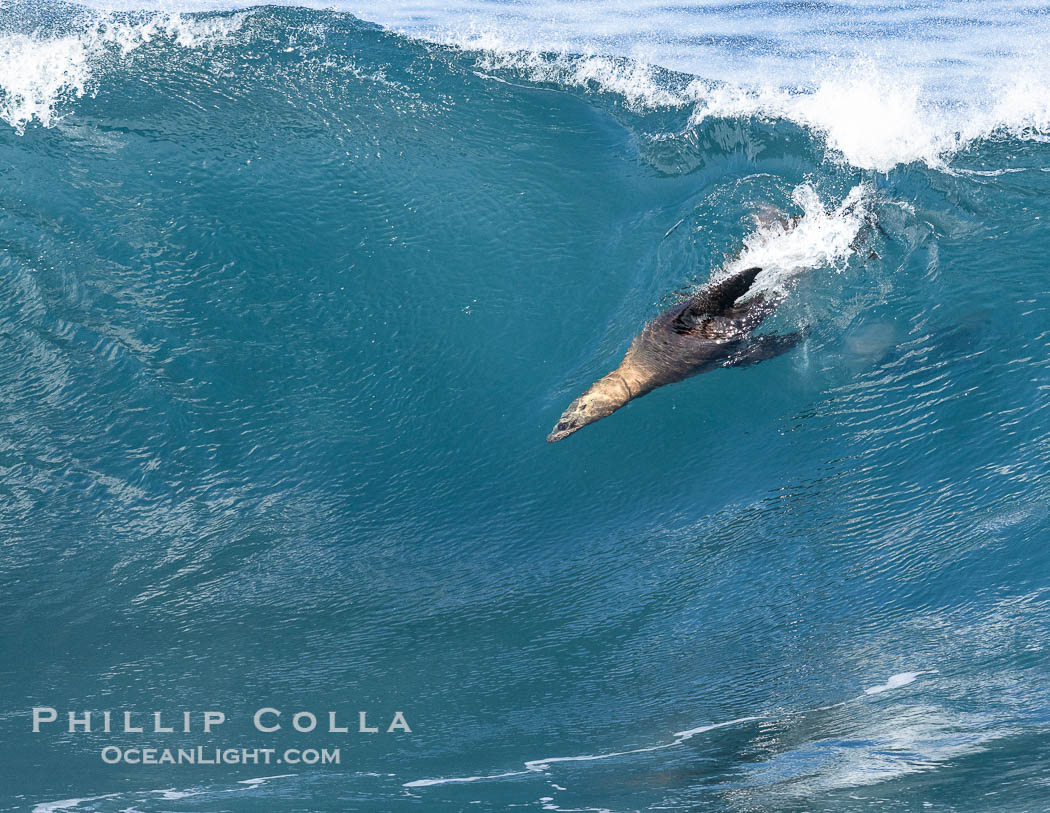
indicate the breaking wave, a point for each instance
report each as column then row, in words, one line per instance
column 292, row 295
column 873, row 113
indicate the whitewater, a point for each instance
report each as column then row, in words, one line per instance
column 882, row 87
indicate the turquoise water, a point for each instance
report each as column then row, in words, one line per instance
column 290, row 301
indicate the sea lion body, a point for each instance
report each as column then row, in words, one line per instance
column 709, row 330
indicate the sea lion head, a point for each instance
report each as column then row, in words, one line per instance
column 605, row 396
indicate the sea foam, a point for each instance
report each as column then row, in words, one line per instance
column 824, row 236
column 39, row 72
column 870, row 115
column 874, row 118
column 542, row 765
column 875, row 111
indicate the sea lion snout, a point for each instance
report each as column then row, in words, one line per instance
column 572, row 419
column 561, row 430
column 603, row 398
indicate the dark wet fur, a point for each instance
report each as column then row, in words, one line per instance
column 711, row 329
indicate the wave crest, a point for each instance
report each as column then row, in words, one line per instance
column 38, row 73
column 869, row 114
column 877, row 121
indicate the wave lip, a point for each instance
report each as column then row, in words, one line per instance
column 871, row 115
column 39, row 72
column 874, row 113
column 875, row 119
column 35, row 74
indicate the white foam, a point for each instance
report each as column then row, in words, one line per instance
column 872, row 122
column 874, row 110
column 894, row 682
column 540, row 765
column 912, row 739
column 456, row 780
column 870, row 115
column 824, row 236
column 682, row 736
column 173, row 795
column 636, row 82
column 876, row 118
column 260, row 780
column 68, row 804
column 35, row 74
column 887, row 104
column 169, row 794
column 38, row 73
column 876, row 104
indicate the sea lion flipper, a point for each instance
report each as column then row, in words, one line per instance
column 766, row 346
column 716, row 298
column 717, row 328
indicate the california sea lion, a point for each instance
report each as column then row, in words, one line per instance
column 709, row 330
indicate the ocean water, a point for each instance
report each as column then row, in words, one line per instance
column 291, row 298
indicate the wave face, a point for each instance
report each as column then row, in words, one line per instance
column 292, row 299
